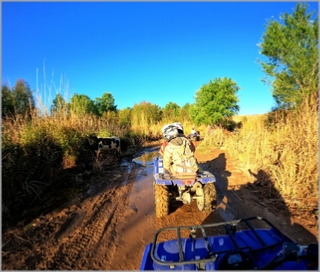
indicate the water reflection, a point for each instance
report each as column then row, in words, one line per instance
column 146, row 158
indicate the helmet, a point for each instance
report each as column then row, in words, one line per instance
column 169, row 132
column 178, row 125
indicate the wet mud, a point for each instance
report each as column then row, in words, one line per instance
column 109, row 226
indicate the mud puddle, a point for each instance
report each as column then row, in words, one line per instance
column 139, row 225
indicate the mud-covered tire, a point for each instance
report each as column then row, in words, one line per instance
column 209, row 197
column 161, row 200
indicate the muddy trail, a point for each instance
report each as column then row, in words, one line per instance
column 108, row 226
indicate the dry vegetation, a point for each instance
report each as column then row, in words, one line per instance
column 38, row 153
column 281, row 147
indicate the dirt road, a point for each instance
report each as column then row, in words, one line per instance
column 108, row 226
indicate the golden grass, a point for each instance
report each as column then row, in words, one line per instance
column 284, row 146
column 286, row 149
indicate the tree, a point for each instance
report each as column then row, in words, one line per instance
column 145, row 114
column 59, row 105
column 292, row 51
column 125, row 116
column 7, row 102
column 215, row 101
column 19, row 100
column 185, row 113
column 105, row 104
column 170, row 112
column 154, row 114
column 81, row 104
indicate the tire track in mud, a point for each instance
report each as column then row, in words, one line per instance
column 87, row 241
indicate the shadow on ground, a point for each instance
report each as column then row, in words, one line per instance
column 258, row 197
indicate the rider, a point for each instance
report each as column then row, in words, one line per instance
column 193, row 131
column 179, row 127
column 178, row 155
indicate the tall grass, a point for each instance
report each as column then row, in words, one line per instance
column 284, row 145
column 38, row 151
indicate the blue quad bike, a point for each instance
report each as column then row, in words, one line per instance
column 183, row 187
column 245, row 244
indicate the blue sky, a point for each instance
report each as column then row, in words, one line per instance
column 158, row 52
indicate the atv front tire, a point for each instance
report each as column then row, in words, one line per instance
column 161, row 199
column 208, row 201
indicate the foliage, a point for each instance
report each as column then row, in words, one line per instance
column 111, row 119
column 7, row 102
column 185, row 113
column 283, row 145
column 36, row 148
column 37, row 153
column 81, row 104
column 145, row 114
column 215, row 101
column 125, row 117
column 276, row 117
column 104, row 104
column 293, row 59
column 171, row 111
column 27, row 163
column 59, row 105
column 18, row 101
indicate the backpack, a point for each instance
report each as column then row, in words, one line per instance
column 183, row 158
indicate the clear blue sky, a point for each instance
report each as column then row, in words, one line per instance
column 158, row 52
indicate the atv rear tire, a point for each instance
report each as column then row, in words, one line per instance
column 209, row 198
column 161, row 199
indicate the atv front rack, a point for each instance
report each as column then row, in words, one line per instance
column 200, row 250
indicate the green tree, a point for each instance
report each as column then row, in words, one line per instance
column 59, row 105
column 125, row 117
column 81, row 104
column 105, row 104
column 19, row 100
column 154, row 114
column 185, row 112
column 145, row 114
column 170, row 112
column 7, row 100
column 291, row 48
column 215, row 101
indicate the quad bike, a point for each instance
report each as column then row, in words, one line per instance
column 245, row 244
column 182, row 187
column 194, row 137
